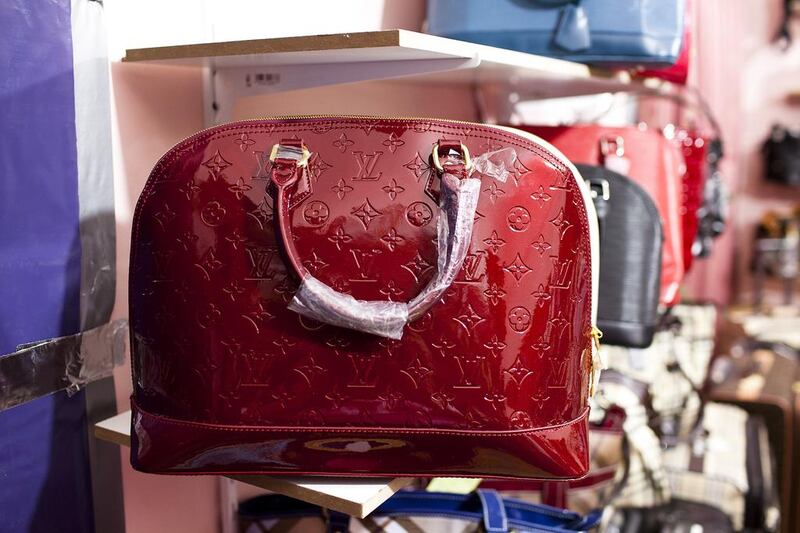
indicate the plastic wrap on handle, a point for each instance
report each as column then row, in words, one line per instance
column 458, row 201
column 316, row 300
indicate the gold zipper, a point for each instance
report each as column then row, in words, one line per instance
column 597, row 360
column 306, row 117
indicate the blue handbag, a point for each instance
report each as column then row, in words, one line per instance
column 414, row 510
column 621, row 33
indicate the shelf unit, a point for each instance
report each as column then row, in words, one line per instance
column 355, row 497
column 248, row 68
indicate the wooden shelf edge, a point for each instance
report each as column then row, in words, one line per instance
column 303, row 43
column 356, row 497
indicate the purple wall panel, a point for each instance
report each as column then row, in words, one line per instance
column 44, row 479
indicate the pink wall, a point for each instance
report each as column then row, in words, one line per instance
column 155, row 108
column 745, row 79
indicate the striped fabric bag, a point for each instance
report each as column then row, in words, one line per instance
column 677, row 362
column 727, row 464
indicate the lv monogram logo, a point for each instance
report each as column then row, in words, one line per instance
column 262, row 160
column 472, row 270
column 366, row 166
column 260, row 260
column 559, row 375
column 161, row 265
column 561, row 276
column 364, row 260
column 470, row 367
column 364, row 368
column 256, row 367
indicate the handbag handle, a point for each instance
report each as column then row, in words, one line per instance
column 458, row 200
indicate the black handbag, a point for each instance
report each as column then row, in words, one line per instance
column 782, row 156
column 631, row 238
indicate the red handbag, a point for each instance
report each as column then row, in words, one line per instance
column 359, row 297
column 695, row 154
column 647, row 158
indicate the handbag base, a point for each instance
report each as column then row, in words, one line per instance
column 203, row 448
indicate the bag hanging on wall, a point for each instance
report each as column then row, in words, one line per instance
column 269, row 263
column 712, row 215
column 694, row 148
column 696, row 134
column 782, row 156
column 412, row 512
column 631, row 239
column 647, row 158
column 623, row 33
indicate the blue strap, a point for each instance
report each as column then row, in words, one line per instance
column 484, row 507
column 494, row 511
column 590, row 521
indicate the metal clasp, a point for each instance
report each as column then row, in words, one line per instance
column 597, row 360
column 464, row 155
column 301, row 155
column 599, row 188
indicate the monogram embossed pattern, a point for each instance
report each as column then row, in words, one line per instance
column 499, row 365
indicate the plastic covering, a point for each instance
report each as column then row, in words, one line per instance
column 97, row 229
column 55, row 178
column 73, row 253
column 458, row 200
column 64, row 363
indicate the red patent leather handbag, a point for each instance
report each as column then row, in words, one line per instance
column 649, row 159
column 357, row 296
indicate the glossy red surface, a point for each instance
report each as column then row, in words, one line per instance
column 492, row 381
column 694, row 149
column 654, row 163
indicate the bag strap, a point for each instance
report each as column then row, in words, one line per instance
column 494, row 511
column 486, row 507
column 458, row 199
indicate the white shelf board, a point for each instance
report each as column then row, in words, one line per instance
column 307, row 61
column 356, row 497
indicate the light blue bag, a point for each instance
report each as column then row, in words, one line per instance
column 623, row 33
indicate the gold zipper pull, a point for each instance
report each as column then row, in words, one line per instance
column 598, row 362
